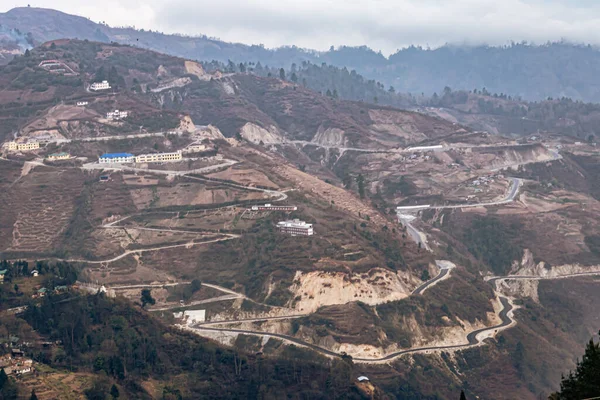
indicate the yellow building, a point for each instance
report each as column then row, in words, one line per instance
column 23, row 146
column 28, row 146
column 159, row 157
column 59, row 156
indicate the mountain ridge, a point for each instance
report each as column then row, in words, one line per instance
column 532, row 72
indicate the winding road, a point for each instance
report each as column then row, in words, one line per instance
column 474, row 338
column 510, row 197
column 444, row 273
column 506, row 317
column 405, row 213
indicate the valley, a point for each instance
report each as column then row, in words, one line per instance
column 271, row 218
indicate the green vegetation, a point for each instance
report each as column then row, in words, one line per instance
column 584, row 382
column 593, row 243
column 126, row 346
column 403, row 187
column 147, row 298
column 52, row 274
column 493, row 243
column 8, row 388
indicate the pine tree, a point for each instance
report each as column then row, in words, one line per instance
column 114, row 391
column 462, row 395
column 360, row 181
column 33, row 395
column 585, row 381
column 147, row 297
column 3, row 378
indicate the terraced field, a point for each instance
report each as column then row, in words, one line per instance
column 42, row 204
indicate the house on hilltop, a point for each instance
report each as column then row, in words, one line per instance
column 295, row 227
column 116, row 115
column 104, row 85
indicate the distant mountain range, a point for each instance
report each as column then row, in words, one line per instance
column 531, row 72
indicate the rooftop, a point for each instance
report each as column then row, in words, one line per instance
column 295, row 223
column 61, row 154
column 116, row 155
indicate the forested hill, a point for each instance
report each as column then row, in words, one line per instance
column 532, row 72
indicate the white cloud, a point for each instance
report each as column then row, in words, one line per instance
column 380, row 24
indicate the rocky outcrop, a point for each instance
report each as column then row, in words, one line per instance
column 256, row 134
column 319, row 288
column 332, row 137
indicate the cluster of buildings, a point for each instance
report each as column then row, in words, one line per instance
column 123, row 158
column 16, row 363
column 104, row 85
column 486, row 180
column 3, row 273
column 116, row 115
column 295, row 227
column 25, row 145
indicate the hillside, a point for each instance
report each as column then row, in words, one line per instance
column 530, row 71
column 507, row 115
column 429, row 240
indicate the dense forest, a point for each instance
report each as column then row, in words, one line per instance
column 110, row 337
column 123, row 345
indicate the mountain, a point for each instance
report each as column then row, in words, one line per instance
column 506, row 115
column 530, row 71
column 457, row 293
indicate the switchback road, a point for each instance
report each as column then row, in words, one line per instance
column 510, row 197
column 473, row 338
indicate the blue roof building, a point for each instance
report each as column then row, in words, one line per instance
column 117, row 158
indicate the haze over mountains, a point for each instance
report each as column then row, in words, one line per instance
column 532, row 72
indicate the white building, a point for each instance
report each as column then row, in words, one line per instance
column 59, row 156
column 116, row 158
column 194, row 316
column 82, row 103
column 295, row 227
column 116, row 115
column 104, row 85
column 159, row 157
column 270, row 207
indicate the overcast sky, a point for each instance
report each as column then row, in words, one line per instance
column 384, row 25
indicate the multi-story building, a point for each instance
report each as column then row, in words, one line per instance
column 159, row 157
column 29, row 145
column 116, row 115
column 295, row 227
column 23, row 146
column 270, row 207
column 114, row 158
column 59, row 156
column 104, row 85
